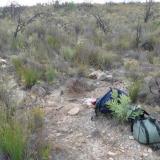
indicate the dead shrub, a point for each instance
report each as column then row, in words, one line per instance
column 78, row 85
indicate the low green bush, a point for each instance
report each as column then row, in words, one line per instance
column 30, row 77
column 119, row 106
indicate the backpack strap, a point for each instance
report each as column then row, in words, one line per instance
column 145, row 113
column 132, row 123
column 146, row 131
column 157, row 127
column 155, row 122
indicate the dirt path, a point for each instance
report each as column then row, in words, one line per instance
column 78, row 138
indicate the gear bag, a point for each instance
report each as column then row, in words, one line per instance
column 101, row 103
column 147, row 130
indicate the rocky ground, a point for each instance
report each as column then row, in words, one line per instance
column 72, row 133
column 76, row 137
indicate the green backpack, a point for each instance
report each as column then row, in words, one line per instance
column 144, row 128
column 147, row 130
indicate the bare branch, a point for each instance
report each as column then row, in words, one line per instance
column 22, row 24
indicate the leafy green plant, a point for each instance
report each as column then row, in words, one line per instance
column 119, row 106
column 133, row 90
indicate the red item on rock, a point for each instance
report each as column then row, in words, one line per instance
column 94, row 102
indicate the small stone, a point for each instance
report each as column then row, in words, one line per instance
column 122, row 150
column 58, row 134
column 145, row 154
column 131, row 137
column 111, row 158
column 110, row 153
column 3, row 61
column 74, row 111
column 149, row 150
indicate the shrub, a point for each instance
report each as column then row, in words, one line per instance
column 78, row 85
column 12, row 141
column 18, row 64
column 30, row 77
column 71, row 6
column 6, row 104
column 133, row 90
column 82, row 70
column 37, row 119
column 156, row 60
column 53, row 42
column 119, row 106
column 150, row 58
column 131, row 64
column 18, row 43
column 68, row 53
column 123, row 42
column 86, row 54
column 50, row 74
column 107, row 59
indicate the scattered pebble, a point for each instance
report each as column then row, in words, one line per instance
column 112, row 153
column 145, row 154
column 149, row 150
column 131, row 137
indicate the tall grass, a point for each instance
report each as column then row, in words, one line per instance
column 133, row 90
column 12, row 141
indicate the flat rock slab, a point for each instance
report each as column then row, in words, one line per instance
column 74, row 111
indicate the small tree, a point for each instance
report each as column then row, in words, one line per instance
column 138, row 34
column 148, row 10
